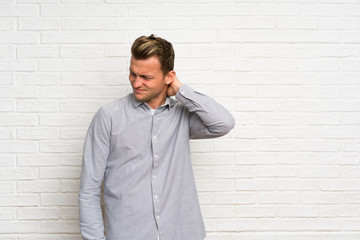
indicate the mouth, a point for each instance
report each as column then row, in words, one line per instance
column 138, row 90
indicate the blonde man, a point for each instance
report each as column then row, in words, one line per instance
column 138, row 146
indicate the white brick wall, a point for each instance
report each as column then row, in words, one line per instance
column 289, row 71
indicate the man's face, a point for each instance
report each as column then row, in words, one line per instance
column 148, row 81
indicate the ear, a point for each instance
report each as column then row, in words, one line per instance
column 169, row 78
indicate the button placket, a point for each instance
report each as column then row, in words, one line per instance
column 154, row 180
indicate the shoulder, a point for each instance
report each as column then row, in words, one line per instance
column 116, row 105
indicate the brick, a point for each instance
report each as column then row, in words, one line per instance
column 255, row 22
column 38, row 24
column 7, row 52
column 38, row 187
column 7, row 214
column 36, row 133
column 69, row 213
column 37, row 160
column 298, row 184
column 108, row 65
column 299, row 224
column 82, row 52
column 230, row 225
column 19, row 227
column 339, row 185
column 87, row 79
column 278, row 9
column 234, row 198
column 234, row 172
column 276, row 171
column 56, row 65
column 215, row 185
column 70, row 186
column 213, row 23
column 38, row 213
column 315, row 197
column 62, row 10
column 170, row 23
column 349, row 171
column 7, row 188
column 7, row 160
column 299, row 36
column 36, row 52
column 18, row 65
column 19, row 200
column 275, row 65
column 19, row 37
column 50, row 236
column 18, row 147
column 286, row 197
column 52, row 120
column 320, row 10
column 231, row 36
column 350, row 10
column 36, row 79
column 338, row 23
column 74, row 159
column 106, row 10
column 217, row 211
column 7, row 106
column 59, row 172
column 319, row 65
column 113, row 50
column 7, row 24
column 73, row 133
column 203, row 172
column 7, row 134
column 257, row 184
column 211, row 159
column 82, row 24
column 19, row 11
column 61, row 146
column 232, row 145
column 57, row 199
column 297, row 23
column 125, row 23
column 106, row 92
column 60, row 227
column 61, row 92
column 36, row 106
column 297, row 211
column 248, row 211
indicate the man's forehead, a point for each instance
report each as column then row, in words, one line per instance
column 151, row 64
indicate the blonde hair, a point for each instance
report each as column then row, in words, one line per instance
column 146, row 47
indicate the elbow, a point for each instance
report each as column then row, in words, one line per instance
column 224, row 127
column 228, row 125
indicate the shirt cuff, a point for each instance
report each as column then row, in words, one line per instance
column 185, row 92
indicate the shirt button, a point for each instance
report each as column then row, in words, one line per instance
column 156, row 196
column 154, row 176
column 158, row 217
column 156, row 156
column 182, row 92
column 155, row 137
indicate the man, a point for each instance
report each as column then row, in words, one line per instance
column 139, row 146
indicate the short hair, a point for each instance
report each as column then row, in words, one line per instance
column 146, row 47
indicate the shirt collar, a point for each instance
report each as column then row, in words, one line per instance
column 169, row 102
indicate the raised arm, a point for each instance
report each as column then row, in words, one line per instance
column 208, row 118
column 96, row 151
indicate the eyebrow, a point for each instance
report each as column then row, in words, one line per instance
column 143, row 76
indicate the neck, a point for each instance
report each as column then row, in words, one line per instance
column 157, row 102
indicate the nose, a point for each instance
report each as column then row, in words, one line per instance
column 137, row 82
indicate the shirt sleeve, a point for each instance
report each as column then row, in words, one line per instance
column 96, row 152
column 208, row 118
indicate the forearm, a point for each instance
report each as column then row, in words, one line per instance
column 208, row 118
